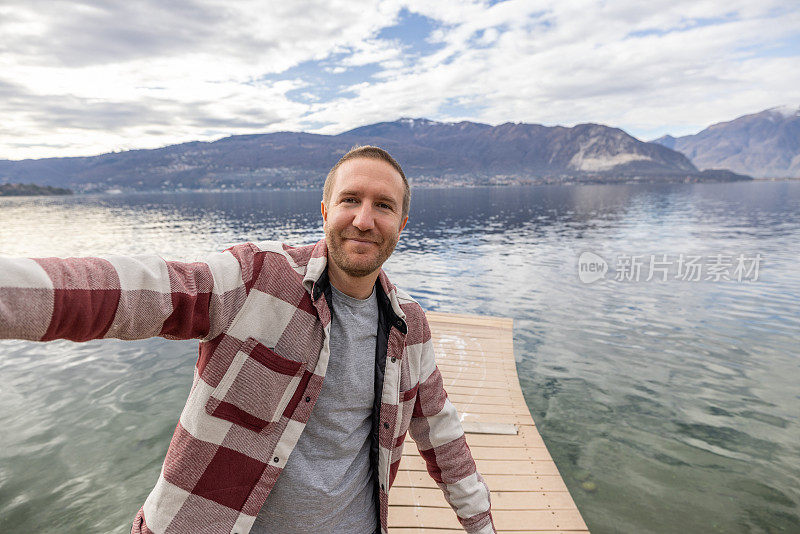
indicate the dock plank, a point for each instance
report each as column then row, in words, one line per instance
column 475, row 355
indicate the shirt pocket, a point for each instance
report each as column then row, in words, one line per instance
column 256, row 388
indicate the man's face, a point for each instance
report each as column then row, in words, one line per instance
column 363, row 219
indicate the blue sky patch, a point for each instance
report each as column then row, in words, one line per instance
column 477, row 39
column 684, row 26
column 412, row 31
column 789, row 47
column 459, row 107
column 323, row 85
column 323, row 80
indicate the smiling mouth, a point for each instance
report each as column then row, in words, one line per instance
column 356, row 240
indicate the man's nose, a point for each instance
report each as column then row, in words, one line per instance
column 364, row 219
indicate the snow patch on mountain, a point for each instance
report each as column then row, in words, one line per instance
column 787, row 111
column 594, row 163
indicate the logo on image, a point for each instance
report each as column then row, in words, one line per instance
column 591, row 267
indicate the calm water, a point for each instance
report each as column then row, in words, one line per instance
column 668, row 406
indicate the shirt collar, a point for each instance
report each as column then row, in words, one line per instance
column 316, row 279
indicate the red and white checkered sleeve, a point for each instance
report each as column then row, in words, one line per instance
column 436, row 427
column 120, row 297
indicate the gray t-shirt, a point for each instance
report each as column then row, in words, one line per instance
column 327, row 483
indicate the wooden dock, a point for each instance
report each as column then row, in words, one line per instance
column 476, row 357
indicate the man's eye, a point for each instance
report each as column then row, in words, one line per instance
column 349, row 199
column 384, row 206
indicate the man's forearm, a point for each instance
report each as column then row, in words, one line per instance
column 436, row 428
column 121, row 297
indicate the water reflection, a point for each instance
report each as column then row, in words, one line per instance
column 668, row 406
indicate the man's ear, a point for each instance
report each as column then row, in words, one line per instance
column 324, row 212
column 403, row 224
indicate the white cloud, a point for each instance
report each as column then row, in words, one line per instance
column 573, row 62
column 88, row 78
column 373, row 51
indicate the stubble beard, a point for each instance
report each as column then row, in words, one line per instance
column 354, row 268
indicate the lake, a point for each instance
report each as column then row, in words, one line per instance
column 666, row 390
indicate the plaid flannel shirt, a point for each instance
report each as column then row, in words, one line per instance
column 264, row 350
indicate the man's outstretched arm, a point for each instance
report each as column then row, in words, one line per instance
column 121, row 297
column 436, row 428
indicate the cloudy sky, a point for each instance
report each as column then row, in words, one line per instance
column 81, row 78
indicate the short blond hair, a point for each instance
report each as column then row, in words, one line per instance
column 368, row 152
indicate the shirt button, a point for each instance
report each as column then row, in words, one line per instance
column 394, row 359
column 308, row 399
column 385, row 425
column 276, row 459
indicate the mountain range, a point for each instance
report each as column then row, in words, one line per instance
column 461, row 153
column 764, row 144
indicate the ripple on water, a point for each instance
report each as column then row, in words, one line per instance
column 668, row 406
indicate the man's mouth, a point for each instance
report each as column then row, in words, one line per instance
column 360, row 240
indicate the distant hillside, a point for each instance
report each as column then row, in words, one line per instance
column 19, row 190
column 765, row 144
column 531, row 148
column 431, row 153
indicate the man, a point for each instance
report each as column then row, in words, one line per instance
column 263, row 443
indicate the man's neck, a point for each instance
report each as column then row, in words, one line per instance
column 356, row 287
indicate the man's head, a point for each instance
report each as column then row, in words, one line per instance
column 367, row 152
column 364, row 208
